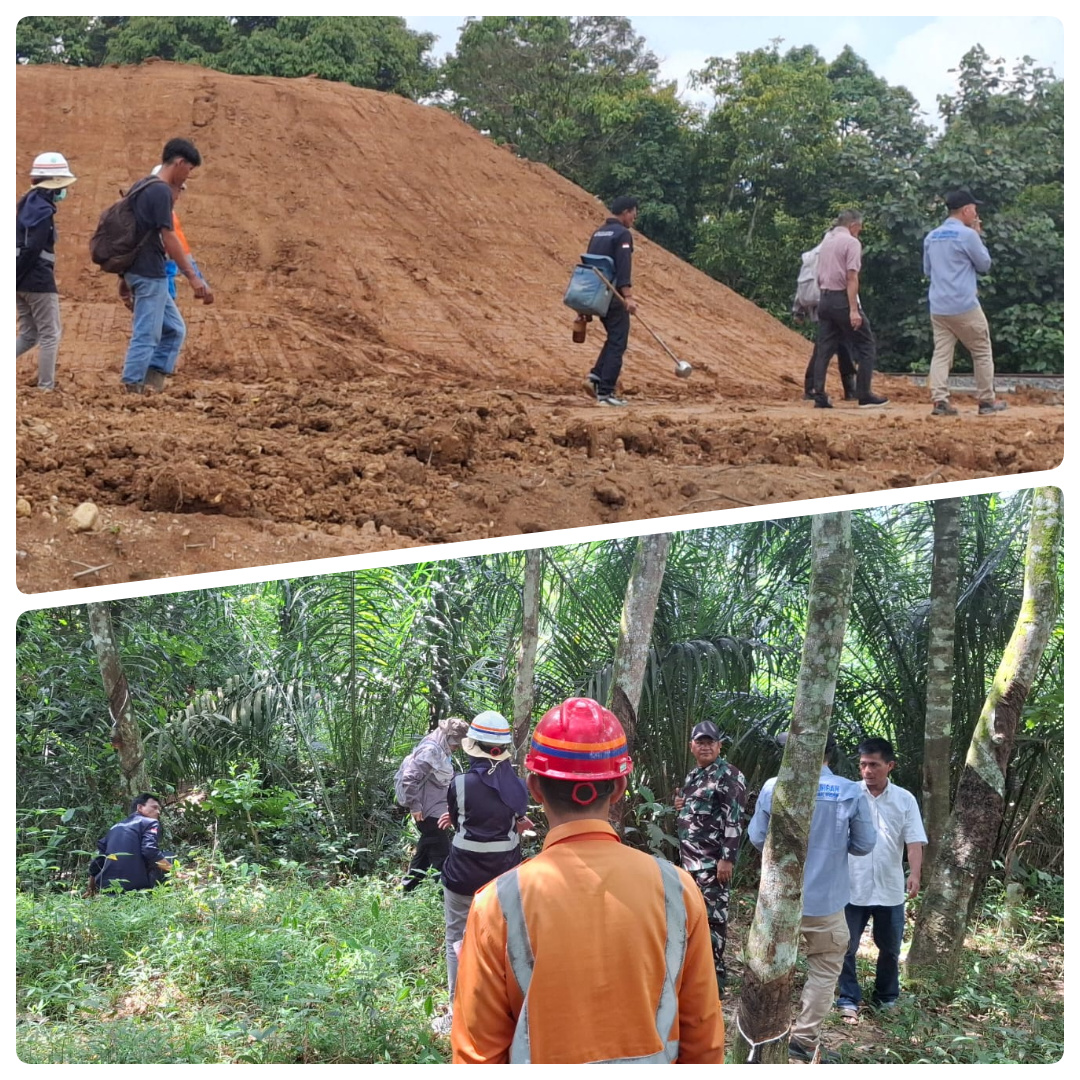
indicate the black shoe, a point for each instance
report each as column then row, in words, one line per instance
column 594, row 381
column 808, row 395
column 988, row 407
column 943, row 408
column 874, row 401
column 610, row 399
column 802, row 1052
column 821, row 401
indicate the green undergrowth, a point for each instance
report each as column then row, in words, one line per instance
column 227, row 964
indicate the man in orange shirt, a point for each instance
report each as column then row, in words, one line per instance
column 592, row 951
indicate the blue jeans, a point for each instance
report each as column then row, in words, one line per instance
column 157, row 329
column 888, row 935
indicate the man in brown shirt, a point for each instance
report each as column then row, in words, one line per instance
column 841, row 320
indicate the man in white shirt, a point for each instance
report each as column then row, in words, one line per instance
column 878, row 890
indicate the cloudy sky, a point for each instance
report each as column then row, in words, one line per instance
column 915, row 52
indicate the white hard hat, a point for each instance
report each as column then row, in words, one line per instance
column 54, row 168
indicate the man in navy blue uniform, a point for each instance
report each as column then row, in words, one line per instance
column 486, row 806
column 130, row 852
column 615, row 240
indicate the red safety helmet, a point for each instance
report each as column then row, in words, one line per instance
column 579, row 740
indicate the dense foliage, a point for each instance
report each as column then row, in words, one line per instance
column 742, row 187
column 274, row 715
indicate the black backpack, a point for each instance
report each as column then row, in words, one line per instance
column 116, row 242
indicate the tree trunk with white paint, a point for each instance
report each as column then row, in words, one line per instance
column 937, row 734
column 764, row 1015
column 963, row 861
column 124, row 735
column 524, row 685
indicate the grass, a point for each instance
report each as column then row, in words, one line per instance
column 228, row 964
column 225, row 965
column 1008, row 1005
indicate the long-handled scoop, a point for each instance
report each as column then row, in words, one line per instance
column 683, row 369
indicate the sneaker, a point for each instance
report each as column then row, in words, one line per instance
column 134, row 387
column 943, row 408
column 593, row 380
column 874, row 401
column 441, row 1024
column 155, row 380
column 988, row 407
column 808, row 395
column 802, row 1052
column 821, row 401
column 611, row 399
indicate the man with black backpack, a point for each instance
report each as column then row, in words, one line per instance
column 157, row 327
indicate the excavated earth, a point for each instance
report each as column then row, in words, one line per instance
column 388, row 362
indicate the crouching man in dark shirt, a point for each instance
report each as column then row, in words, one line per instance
column 615, row 240
column 130, row 852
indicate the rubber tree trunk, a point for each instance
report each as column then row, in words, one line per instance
column 635, row 630
column 124, row 736
column 524, row 684
column 764, row 1015
column 937, row 736
column 963, row 861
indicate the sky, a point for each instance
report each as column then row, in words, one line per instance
column 915, row 52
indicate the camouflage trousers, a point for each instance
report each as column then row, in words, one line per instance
column 716, row 907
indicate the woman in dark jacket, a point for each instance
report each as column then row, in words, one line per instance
column 36, row 298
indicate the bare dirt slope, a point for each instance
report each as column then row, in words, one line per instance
column 388, row 362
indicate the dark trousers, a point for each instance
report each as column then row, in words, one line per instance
column 834, row 330
column 430, row 854
column 609, row 362
column 888, row 934
column 844, row 362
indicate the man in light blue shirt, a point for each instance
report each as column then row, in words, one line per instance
column 841, row 826
column 953, row 254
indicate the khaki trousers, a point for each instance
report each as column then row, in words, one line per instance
column 973, row 332
column 825, row 939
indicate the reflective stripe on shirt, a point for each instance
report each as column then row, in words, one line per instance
column 520, row 953
column 44, row 256
column 512, row 840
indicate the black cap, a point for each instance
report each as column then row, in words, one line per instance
column 830, row 741
column 961, row 197
column 707, row 730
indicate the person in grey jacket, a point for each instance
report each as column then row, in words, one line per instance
column 841, row 826
column 421, row 787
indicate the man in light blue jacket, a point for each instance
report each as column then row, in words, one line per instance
column 841, row 826
column 953, row 254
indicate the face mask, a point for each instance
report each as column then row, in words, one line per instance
column 61, row 195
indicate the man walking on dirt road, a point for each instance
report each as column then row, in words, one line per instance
column 952, row 255
column 157, row 327
column 615, row 240
column 841, row 320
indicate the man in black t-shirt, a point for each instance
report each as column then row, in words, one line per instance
column 615, row 240
column 157, row 328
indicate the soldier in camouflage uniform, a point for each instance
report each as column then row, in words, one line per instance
column 711, row 807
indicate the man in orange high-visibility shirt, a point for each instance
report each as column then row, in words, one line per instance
column 592, row 951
